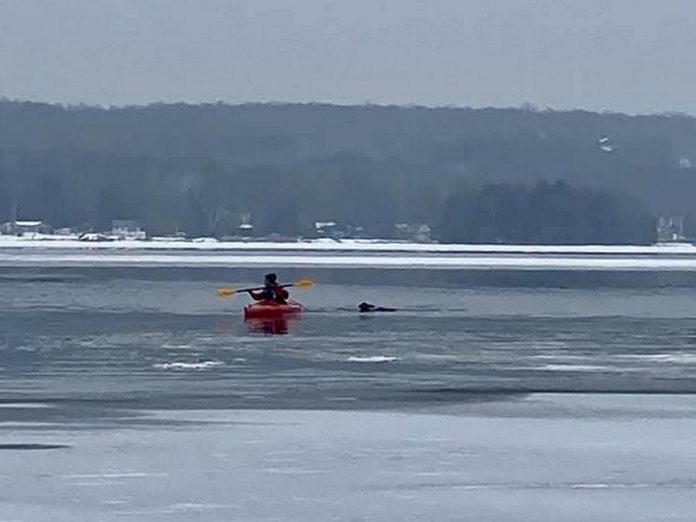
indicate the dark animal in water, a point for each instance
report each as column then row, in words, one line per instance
column 367, row 307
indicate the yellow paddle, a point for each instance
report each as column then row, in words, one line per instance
column 229, row 292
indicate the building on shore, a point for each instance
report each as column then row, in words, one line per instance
column 670, row 229
column 419, row 232
column 21, row 227
column 337, row 231
column 127, row 229
column 327, row 229
column 64, row 232
column 246, row 228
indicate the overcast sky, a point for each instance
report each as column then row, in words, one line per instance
column 636, row 56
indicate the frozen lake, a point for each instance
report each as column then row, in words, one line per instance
column 129, row 391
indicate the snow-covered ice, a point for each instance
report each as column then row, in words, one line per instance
column 328, row 245
column 544, row 458
column 357, row 260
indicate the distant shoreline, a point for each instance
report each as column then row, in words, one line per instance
column 349, row 254
column 328, row 245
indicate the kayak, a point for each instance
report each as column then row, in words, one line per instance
column 271, row 310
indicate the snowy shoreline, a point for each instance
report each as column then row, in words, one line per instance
column 328, row 245
column 324, row 253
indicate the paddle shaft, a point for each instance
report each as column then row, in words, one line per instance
column 258, row 288
column 227, row 292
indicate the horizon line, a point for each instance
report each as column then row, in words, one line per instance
column 524, row 107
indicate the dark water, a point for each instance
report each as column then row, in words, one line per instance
column 159, row 338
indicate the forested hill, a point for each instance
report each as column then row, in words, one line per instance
column 194, row 166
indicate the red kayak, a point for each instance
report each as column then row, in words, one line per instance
column 271, row 310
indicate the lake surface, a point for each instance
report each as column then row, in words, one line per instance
column 135, row 377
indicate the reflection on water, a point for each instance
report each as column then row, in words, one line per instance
column 272, row 326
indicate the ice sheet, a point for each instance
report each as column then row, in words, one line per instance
column 410, row 261
column 547, row 458
column 328, row 245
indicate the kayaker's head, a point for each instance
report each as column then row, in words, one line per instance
column 366, row 307
column 271, row 279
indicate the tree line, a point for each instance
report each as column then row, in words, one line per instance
column 212, row 201
column 546, row 213
column 198, row 168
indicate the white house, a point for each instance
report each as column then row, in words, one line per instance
column 670, row 229
column 19, row 228
column 325, row 228
column 127, row 229
column 246, row 228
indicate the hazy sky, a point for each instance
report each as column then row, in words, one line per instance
column 623, row 55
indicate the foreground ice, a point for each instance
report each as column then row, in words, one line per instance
column 545, row 458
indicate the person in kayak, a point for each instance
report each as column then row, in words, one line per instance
column 272, row 291
column 367, row 307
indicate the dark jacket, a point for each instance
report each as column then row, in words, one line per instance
column 273, row 293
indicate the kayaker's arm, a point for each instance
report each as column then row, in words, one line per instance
column 257, row 296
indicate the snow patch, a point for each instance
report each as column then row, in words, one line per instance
column 372, row 359
column 677, row 357
column 25, row 405
column 203, row 365
column 574, row 368
column 173, row 346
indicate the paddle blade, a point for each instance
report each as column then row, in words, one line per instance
column 226, row 292
column 304, row 283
